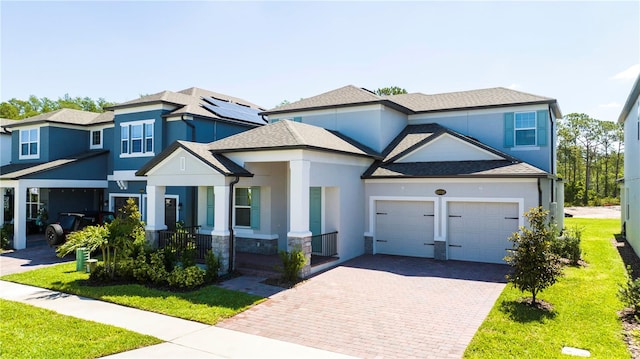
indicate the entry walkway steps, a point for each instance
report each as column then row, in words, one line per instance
column 183, row 338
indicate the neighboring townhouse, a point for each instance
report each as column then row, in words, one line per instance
column 5, row 141
column 348, row 172
column 70, row 160
column 630, row 184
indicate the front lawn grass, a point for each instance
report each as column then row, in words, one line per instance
column 209, row 304
column 584, row 301
column 31, row 332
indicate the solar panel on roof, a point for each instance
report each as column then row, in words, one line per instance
column 231, row 106
column 233, row 114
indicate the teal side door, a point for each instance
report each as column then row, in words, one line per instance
column 315, row 217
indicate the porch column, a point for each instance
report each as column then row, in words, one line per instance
column 220, row 233
column 20, row 217
column 155, row 213
column 299, row 235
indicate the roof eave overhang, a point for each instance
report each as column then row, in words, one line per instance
column 387, row 103
column 544, row 175
column 553, row 103
column 628, row 105
column 296, row 147
column 143, row 103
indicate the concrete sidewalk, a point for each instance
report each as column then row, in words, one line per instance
column 183, row 338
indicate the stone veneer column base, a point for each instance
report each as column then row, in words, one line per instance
column 220, row 247
column 368, row 245
column 440, row 250
column 152, row 238
column 304, row 244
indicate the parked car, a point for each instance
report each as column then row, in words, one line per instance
column 56, row 233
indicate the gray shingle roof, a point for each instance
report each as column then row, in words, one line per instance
column 67, row 116
column 288, row 135
column 201, row 151
column 188, row 102
column 419, row 102
column 5, row 122
column 16, row 171
column 497, row 96
column 416, row 136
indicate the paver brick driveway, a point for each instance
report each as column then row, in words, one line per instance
column 382, row 307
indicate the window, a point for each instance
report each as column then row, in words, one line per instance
column 96, row 139
column 33, row 203
column 29, row 143
column 243, row 207
column 247, row 207
column 136, row 139
column 525, row 128
column 210, row 207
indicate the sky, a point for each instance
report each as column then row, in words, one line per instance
column 584, row 54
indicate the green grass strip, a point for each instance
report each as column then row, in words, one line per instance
column 208, row 305
column 585, row 307
column 31, row 332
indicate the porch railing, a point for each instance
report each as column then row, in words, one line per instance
column 325, row 244
column 184, row 239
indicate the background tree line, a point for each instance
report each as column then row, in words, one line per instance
column 590, row 159
column 18, row 109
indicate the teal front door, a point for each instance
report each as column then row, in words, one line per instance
column 315, row 218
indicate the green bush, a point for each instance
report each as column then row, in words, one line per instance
column 6, row 232
column 213, row 266
column 629, row 293
column 568, row 245
column 186, row 278
column 292, row 263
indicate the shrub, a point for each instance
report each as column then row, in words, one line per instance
column 568, row 245
column 292, row 263
column 629, row 293
column 535, row 266
column 213, row 266
column 186, row 278
column 6, row 232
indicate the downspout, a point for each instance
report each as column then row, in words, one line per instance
column 539, row 193
column 194, row 208
column 232, row 244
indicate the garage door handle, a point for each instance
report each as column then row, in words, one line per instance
column 381, row 240
column 380, row 213
column 429, row 244
column 455, row 216
column 511, row 218
column 455, row 245
column 429, row 215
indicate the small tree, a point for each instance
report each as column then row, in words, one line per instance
column 535, row 266
column 126, row 233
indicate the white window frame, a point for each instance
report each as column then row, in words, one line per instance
column 236, row 206
column 28, row 143
column 143, row 139
column 91, row 144
column 516, row 129
column 35, row 191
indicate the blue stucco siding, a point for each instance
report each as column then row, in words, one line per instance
column 93, row 168
column 60, row 142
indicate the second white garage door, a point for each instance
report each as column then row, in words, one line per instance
column 404, row 228
column 478, row 231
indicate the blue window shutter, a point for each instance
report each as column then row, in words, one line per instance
column 508, row 129
column 542, row 127
column 297, row 119
column 255, row 207
column 210, row 207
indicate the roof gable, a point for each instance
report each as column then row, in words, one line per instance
column 287, row 134
column 448, row 148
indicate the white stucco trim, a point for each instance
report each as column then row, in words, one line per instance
column 143, row 108
column 179, row 118
column 428, row 117
column 450, row 180
column 127, row 175
column 324, row 112
column 45, row 183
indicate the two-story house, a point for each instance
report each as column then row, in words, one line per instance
column 69, row 160
column 347, row 172
column 630, row 185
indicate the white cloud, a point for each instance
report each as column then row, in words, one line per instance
column 514, row 86
column 611, row 105
column 629, row 74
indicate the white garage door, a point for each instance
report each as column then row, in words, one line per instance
column 404, row 228
column 478, row 231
